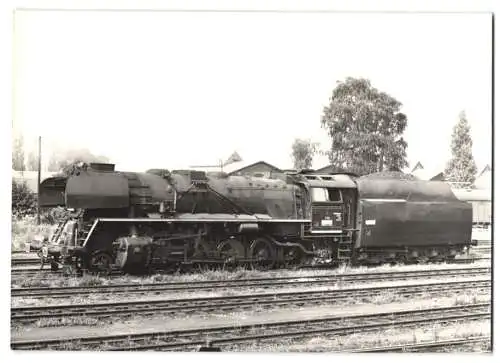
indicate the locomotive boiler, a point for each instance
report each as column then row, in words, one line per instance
column 139, row 222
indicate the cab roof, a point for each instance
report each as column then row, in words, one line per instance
column 330, row 181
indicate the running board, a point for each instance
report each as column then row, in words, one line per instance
column 337, row 231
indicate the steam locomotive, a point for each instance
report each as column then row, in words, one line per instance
column 139, row 222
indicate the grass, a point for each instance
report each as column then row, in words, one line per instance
column 384, row 298
column 332, row 343
column 249, row 314
column 25, row 230
column 222, row 292
column 386, row 337
column 468, row 299
column 218, row 275
column 64, row 321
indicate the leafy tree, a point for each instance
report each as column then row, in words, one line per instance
column 303, row 152
column 64, row 161
column 461, row 167
column 53, row 163
column 366, row 128
column 18, row 153
column 32, row 162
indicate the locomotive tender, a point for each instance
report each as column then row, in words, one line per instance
column 138, row 222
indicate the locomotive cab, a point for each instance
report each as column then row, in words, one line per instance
column 333, row 200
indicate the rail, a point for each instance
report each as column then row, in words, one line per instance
column 262, row 283
column 424, row 346
column 237, row 302
column 275, row 331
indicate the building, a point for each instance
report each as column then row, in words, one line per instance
column 31, row 178
column 423, row 173
column 258, row 169
column 483, row 179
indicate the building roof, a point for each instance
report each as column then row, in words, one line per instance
column 486, row 169
column 417, row 166
column 31, row 178
column 233, row 169
column 483, row 179
column 434, row 172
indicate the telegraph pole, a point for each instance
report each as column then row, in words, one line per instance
column 39, row 178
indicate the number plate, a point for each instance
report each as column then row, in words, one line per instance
column 45, row 251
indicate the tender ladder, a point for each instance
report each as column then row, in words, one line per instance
column 344, row 250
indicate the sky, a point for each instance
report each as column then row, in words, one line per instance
column 173, row 89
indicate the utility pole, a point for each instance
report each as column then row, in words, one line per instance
column 39, row 179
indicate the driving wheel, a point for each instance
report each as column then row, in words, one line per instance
column 231, row 250
column 262, row 254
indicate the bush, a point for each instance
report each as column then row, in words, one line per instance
column 26, row 230
column 24, row 204
column 54, row 215
column 24, row 201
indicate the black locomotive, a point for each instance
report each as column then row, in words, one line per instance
column 140, row 222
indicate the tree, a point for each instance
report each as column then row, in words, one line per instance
column 64, row 160
column 18, row 153
column 366, row 128
column 53, row 163
column 24, row 201
column 303, row 152
column 461, row 167
column 32, row 162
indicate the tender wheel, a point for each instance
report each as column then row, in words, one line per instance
column 101, row 263
column 262, row 254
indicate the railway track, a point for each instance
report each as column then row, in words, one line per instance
column 483, row 250
column 26, row 261
column 434, row 346
column 46, row 270
column 270, row 282
column 233, row 336
column 32, row 271
column 237, row 302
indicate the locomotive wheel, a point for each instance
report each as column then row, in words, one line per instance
column 231, row 250
column 67, row 270
column 262, row 254
column 202, row 250
column 101, row 263
column 294, row 257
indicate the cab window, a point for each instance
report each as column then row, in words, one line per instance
column 326, row 195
